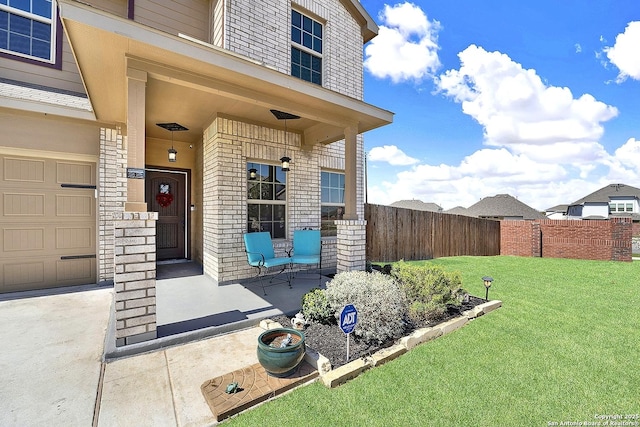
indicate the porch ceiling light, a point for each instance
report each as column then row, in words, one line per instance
column 172, row 127
column 281, row 115
column 172, row 153
column 285, row 163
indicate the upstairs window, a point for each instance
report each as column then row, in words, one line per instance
column 332, row 201
column 306, row 48
column 620, row 207
column 28, row 29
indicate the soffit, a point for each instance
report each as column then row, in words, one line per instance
column 189, row 82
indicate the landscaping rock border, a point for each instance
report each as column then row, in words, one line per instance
column 335, row 377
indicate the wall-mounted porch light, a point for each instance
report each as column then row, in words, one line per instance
column 172, row 127
column 487, row 284
column 281, row 115
column 253, row 174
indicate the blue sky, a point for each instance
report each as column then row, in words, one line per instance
column 536, row 99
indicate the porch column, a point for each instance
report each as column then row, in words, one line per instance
column 350, row 173
column 135, row 277
column 351, row 248
column 351, row 230
column 136, row 92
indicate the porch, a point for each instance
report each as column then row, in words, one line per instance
column 191, row 306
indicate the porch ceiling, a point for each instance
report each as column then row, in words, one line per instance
column 189, row 82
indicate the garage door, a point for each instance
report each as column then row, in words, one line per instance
column 47, row 224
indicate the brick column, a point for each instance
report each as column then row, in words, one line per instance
column 536, row 239
column 112, row 194
column 135, row 277
column 351, row 245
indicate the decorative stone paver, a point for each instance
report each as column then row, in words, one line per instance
column 254, row 386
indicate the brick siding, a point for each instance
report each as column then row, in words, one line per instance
column 112, row 196
column 261, row 31
column 228, row 146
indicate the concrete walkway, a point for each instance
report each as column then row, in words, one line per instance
column 52, row 371
column 162, row 388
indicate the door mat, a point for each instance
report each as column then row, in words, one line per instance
column 254, row 386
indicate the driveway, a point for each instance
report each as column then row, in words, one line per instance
column 51, row 357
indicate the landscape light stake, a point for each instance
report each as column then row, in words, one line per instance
column 487, row 284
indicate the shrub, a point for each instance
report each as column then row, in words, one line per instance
column 380, row 303
column 315, row 307
column 428, row 289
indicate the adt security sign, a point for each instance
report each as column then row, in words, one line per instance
column 348, row 318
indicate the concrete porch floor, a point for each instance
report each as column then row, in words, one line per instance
column 191, row 306
column 196, row 301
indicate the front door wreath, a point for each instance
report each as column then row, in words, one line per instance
column 164, row 197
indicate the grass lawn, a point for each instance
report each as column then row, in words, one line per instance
column 564, row 347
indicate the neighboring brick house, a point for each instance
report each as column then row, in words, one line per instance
column 503, row 206
column 88, row 186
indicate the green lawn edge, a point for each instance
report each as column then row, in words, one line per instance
column 563, row 348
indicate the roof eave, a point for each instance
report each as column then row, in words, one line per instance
column 120, row 39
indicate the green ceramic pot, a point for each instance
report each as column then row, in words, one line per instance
column 280, row 361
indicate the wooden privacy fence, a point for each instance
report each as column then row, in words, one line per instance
column 397, row 233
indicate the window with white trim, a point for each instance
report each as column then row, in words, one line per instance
column 332, row 201
column 28, row 29
column 306, row 48
column 266, row 199
column 620, row 207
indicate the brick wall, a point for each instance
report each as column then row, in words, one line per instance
column 261, row 31
column 112, row 196
column 228, row 146
column 576, row 239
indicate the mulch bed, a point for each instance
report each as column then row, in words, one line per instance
column 331, row 342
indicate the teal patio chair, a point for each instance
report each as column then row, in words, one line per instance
column 307, row 249
column 261, row 255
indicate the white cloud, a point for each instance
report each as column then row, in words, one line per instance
column 484, row 173
column 519, row 112
column 406, row 45
column 624, row 164
column 392, row 155
column 624, row 53
column 490, row 171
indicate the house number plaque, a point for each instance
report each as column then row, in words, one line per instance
column 135, row 173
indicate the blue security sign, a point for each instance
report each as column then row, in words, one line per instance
column 348, row 318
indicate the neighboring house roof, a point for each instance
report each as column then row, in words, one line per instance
column 503, row 206
column 558, row 209
column 417, row 205
column 458, row 210
column 604, row 194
